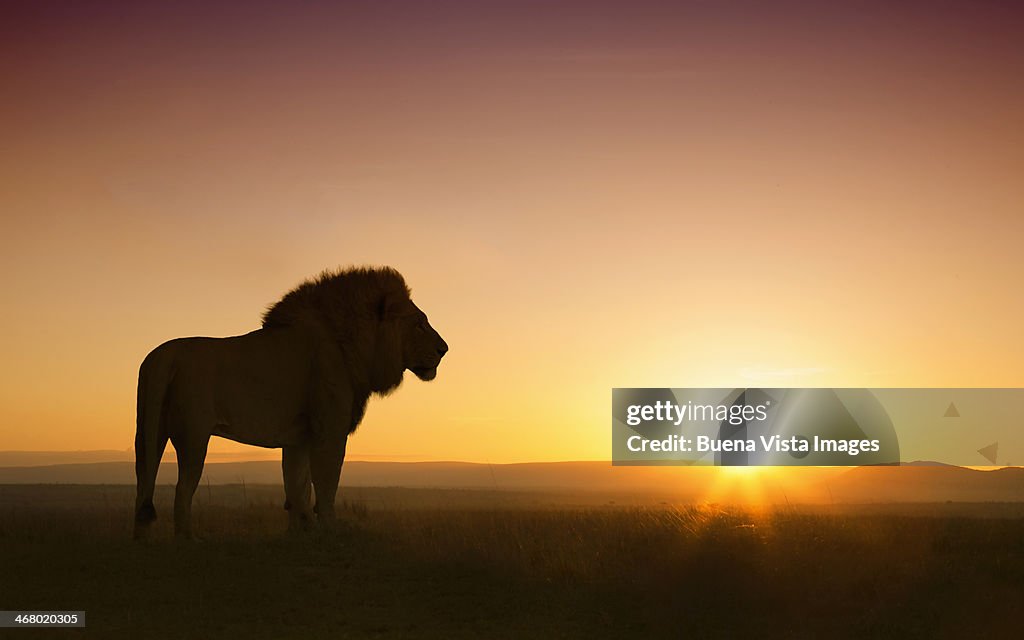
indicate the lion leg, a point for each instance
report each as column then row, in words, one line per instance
column 325, row 465
column 145, row 471
column 297, row 487
column 191, row 453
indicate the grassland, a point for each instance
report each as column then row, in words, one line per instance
column 472, row 564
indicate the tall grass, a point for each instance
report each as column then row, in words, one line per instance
column 464, row 570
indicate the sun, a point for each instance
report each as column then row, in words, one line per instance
column 740, row 485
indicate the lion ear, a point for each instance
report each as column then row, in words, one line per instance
column 389, row 306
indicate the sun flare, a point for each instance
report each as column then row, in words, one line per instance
column 740, row 485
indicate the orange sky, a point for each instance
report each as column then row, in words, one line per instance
column 613, row 194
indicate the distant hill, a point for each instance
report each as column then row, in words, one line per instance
column 561, row 475
column 942, row 482
column 40, row 458
column 909, row 483
column 44, row 458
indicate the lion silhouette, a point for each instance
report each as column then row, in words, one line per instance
column 300, row 383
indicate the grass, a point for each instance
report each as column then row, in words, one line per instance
column 463, row 564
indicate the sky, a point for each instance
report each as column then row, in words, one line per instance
column 582, row 195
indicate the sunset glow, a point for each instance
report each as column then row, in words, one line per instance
column 725, row 194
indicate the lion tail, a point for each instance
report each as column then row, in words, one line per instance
column 150, row 433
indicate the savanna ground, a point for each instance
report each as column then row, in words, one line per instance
column 472, row 564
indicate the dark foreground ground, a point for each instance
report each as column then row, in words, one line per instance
column 466, row 564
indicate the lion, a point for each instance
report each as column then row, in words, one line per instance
column 300, row 383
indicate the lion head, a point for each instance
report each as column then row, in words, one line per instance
column 369, row 312
column 405, row 341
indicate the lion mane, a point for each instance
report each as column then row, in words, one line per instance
column 348, row 303
column 343, row 299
